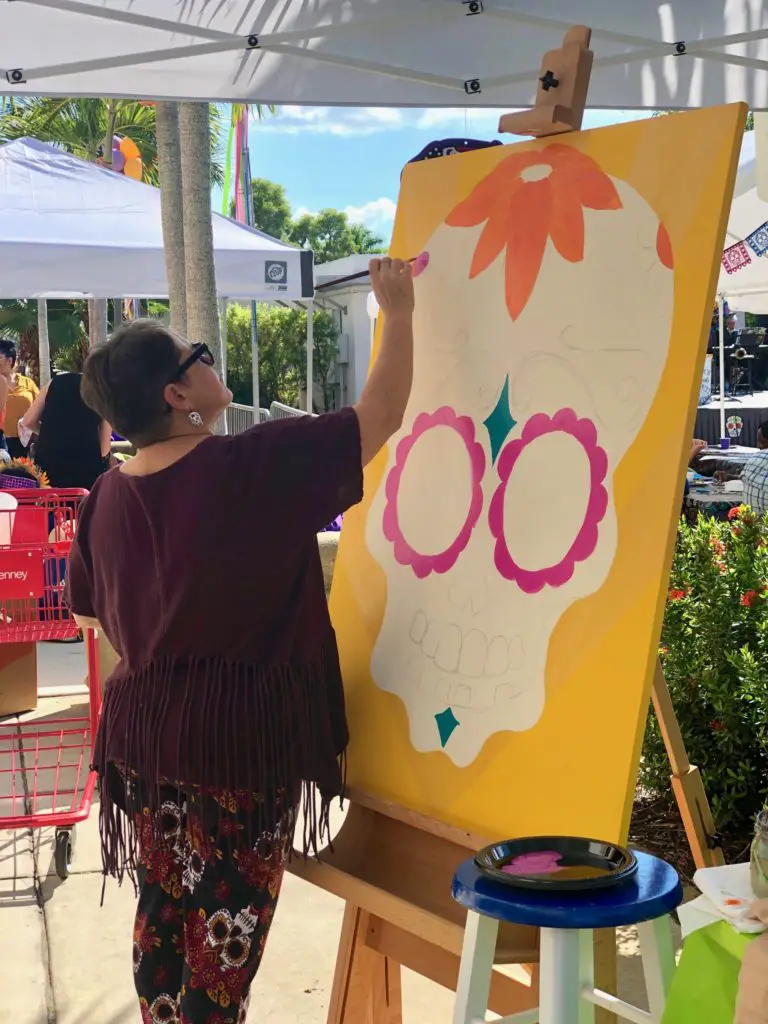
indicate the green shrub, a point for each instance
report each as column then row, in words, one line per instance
column 714, row 651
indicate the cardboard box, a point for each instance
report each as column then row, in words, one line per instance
column 18, row 678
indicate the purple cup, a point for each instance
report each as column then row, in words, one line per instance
column 725, row 442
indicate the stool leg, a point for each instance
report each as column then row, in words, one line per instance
column 567, row 965
column 658, row 954
column 477, row 955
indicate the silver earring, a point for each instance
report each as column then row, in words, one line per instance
column 196, row 419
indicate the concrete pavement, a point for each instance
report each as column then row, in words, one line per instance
column 66, row 960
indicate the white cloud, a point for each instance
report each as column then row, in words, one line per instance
column 333, row 120
column 445, row 121
column 378, row 215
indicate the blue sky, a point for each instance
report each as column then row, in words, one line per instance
column 351, row 157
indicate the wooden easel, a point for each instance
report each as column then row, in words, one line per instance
column 394, row 866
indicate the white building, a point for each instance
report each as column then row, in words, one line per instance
column 347, row 300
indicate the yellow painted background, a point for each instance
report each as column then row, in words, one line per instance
column 575, row 771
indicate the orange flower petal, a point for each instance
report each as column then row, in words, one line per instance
column 584, row 177
column 481, row 202
column 495, row 234
column 529, row 219
column 567, row 225
column 664, row 247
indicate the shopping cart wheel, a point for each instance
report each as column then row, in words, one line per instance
column 65, row 843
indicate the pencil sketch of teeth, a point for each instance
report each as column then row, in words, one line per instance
column 474, row 650
column 497, row 661
column 461, row 696
column 449, row 649
column 418, row 627
column 516, row 653
column 507, row 692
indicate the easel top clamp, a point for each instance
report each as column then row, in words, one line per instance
column 394, row 866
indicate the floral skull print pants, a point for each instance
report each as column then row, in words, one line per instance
column 205, row 906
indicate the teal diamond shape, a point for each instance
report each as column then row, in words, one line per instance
column 501, row 422
column 446, row 723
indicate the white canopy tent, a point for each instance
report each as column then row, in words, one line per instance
column 454, row 53
column 70, row 228
column 745, row 290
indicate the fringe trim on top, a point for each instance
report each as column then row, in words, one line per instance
column 237, row 728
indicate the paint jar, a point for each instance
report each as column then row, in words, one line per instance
column 758, row 857
column 725, row 442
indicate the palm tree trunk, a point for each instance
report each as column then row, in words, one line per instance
column 172, row 209
column 97, row 320
column 202, row 306
column 43, row 344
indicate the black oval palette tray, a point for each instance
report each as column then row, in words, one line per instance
column 556, row 863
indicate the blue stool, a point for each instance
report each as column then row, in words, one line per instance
column 567, row 993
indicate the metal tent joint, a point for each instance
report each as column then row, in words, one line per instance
column 15, row 77
column 472, row 86
column 473, row 7
column 680, row 48
column 252, row 42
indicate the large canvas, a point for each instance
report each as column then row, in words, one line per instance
column 498, row 595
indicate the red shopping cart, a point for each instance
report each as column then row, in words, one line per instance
column 43, row 781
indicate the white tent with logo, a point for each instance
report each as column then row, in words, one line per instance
column 71, row 228
column 746, row 289
column 448, row 53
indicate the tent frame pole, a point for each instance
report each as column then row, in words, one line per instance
column 310, row 355
column 721, row 368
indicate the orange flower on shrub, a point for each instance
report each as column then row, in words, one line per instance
column 734, row 513
column 748, row 599
column 526, row 200
column 677, row 595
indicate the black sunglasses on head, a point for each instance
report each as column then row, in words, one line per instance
column 200, row 352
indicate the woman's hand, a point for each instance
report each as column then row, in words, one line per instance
column 697, row 447
column 392, row 283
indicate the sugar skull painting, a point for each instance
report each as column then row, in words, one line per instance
column 496, row 514
column 499, row 593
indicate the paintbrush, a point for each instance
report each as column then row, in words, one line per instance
column 350, row 277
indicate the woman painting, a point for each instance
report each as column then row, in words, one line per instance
column 22, row 391
column 73, row 444
column 199, row 560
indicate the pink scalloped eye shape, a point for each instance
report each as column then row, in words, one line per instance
column 421, row 263
column 424, row 563
column 538, row 426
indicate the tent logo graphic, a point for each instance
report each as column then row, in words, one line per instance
column 275, row 272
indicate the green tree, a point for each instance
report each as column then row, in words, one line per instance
column 271, row 209
column 83, row 126
column 67, row 330
column 282, row 354
column 330, row 235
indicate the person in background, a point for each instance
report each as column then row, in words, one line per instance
column 22, row 391
column 199, row 561
column 73, row 446
column 754, row 475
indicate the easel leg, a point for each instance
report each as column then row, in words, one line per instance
column 686, row 781
column 366, row 985
column 606, row 973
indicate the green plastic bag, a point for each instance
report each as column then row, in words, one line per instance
column 706, row 981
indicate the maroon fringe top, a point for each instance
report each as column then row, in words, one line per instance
column 206, row 579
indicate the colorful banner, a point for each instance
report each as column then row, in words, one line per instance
column 740, row 254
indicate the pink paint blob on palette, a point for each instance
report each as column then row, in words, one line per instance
column 542, row 862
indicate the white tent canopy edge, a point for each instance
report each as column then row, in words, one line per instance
column 444, row 53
